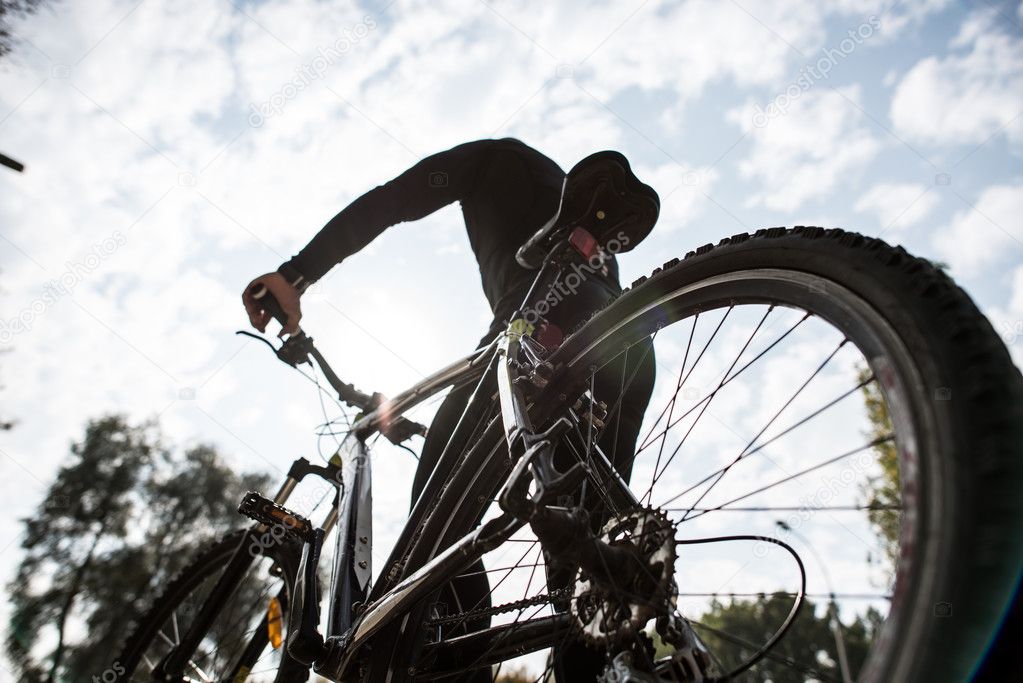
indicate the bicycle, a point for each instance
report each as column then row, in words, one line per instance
column 894, row 323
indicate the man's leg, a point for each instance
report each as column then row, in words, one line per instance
column 472, row 590
column 576, row 662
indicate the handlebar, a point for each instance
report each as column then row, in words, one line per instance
column 299, row 348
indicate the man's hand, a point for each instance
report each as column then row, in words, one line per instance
column 286, row 295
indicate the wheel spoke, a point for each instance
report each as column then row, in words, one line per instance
column 789, row 594
column 217, row 653
column 779, row 435
column 770, row 422
column 710, row 397
column 871, row 444
column 790, row 508
column 780, row 342
column 792, row 664
column 646, row 442
column 674, row 398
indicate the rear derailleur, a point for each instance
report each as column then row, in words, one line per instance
column 689, row 663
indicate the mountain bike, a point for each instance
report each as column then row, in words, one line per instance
column 773, row 339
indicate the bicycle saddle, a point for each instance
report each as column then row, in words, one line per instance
column 602, row 195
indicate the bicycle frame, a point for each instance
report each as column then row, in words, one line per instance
column 356, row 613
column 357, row 610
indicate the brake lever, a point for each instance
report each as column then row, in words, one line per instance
column 294, row 351
column 298, row 348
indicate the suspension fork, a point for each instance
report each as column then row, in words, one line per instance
column 173, row 665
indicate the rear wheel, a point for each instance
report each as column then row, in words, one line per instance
column 813, row 385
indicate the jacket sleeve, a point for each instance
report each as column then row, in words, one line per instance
column 433, row 183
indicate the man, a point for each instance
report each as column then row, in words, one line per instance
column 507, row 191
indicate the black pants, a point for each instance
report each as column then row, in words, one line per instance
column 634, row 371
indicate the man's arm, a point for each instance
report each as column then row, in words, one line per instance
column 433, row 183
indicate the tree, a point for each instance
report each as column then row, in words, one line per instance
column 516, row 675
column 882, row 491
column 9, row 10
column 734, row 632
column 121, row 517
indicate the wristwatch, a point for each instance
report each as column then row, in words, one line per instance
column 294, row 278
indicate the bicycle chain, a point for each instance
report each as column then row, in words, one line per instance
column 563, row 593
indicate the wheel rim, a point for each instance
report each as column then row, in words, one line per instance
column 884, row 354
column 887, row 358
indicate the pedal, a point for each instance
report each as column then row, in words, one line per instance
column 265, row 511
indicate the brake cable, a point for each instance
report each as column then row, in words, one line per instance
column 257, row 338
column 789, row 620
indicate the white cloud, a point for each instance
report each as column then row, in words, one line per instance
column 985, row 234
column 625, row 47
column 1008, row 319
column 683, row 193
column 969, row 95
column 894, row 16
column 897, row 205
column 180, row 76
column 818, row 143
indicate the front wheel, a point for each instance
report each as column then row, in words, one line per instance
column 245, row 642
column 812, row 385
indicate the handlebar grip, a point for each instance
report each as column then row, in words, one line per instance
column 266, row 299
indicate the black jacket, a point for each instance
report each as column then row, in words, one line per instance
column 507, row 191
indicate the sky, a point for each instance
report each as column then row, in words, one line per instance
column 175, row 150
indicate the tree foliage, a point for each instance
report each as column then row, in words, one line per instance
column 516, row 675
column 882, row 491
column 122, row 516
column 12, row 10
column 733, row 632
